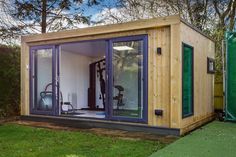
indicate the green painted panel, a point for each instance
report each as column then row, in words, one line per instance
column 231, row 76
column 187, row 76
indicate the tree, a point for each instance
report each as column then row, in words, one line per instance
column 129, row 10
column 204, row 14
column 225, row 10
column 41, row 16
column 213, row 17
column 196, row 12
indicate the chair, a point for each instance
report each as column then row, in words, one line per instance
column 119, row 97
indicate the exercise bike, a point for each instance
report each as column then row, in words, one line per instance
column 119, row 96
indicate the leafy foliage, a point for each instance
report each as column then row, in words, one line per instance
column 20, row 17
column 49, row 15
column 9, row 81
column 213, row 17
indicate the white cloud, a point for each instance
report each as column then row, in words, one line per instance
column 129, row 12
column 110, row 16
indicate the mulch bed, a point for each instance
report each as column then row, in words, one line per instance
column 101, row 131
column 8, row 119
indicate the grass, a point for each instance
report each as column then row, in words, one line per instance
column 216, row 139
column 23, row 141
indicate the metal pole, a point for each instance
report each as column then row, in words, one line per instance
column 223, row 70
column 224, row 62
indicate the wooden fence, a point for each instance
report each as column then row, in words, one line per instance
column 218, row 95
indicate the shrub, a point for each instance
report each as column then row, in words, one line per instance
column 9, row 81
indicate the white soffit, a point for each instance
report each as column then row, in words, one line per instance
column 90, row 48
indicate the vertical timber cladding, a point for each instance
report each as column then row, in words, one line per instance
column 175, row 77
column 159, row 76
column 203, row 82
column 24, row 79
column 230, row 109
column 158, row 71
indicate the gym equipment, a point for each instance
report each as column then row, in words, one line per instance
column 119, row 97
column 100, row 65
column 92, row 87
column 45, row 102
column 65, row 108
column 102, row 80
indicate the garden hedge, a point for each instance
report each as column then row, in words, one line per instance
column 9, row 81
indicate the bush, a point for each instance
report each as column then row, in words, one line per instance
column 9, row 81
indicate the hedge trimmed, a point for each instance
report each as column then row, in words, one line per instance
column 9, row 81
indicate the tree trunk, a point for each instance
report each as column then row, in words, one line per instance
column 222, row 15
column 232, row 17
column 44, row 16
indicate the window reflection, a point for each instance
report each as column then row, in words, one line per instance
column 127, row 62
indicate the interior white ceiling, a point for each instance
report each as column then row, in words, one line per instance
column 90, row 48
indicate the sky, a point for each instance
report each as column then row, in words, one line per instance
column 96, row 9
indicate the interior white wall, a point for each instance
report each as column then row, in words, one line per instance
column 74, row 81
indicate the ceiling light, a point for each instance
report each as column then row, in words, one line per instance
column 122, row 48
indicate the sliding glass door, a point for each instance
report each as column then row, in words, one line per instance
column 42, row 80
column 125, row 81
column 128, row 78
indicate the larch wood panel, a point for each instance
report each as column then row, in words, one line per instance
column 159, row 76
column 166, row 76
column 164, row 72
column 129, row 26
column 158, row 80
column 199, row 122
column 175, row 77
column 27, row 87
column 88, row 38
column 151, row 53
column 150, row 76
column 203, row 82
column 24, row 79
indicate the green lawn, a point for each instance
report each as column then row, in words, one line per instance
column 217, row 139
column 23, row 141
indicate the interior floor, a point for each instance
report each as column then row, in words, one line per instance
column 85, row 113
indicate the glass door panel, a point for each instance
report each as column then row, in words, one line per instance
column 42, row 82
column 128, row 78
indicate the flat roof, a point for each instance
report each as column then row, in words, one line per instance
column 111, row 28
